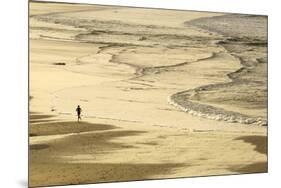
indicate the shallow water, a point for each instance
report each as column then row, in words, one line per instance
column 246, row 39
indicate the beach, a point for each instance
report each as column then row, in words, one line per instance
column 163, row 94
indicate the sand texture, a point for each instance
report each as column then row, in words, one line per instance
column 164, row 94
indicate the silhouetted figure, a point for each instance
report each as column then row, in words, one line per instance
column 79, row 110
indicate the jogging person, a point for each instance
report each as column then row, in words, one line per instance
column 79, row 110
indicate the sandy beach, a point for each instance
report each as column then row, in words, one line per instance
column 164, row 94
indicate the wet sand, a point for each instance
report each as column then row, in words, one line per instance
column 123, row 72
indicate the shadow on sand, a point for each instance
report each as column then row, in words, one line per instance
column 68, row 127
column 261, row 146
column 74, row 173
column 42, row 125
column 259, row 141
column 59, row 162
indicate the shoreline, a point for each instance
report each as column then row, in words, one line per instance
column 182, row 99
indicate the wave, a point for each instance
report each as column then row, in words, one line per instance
column 232, row 38
column 180, row 100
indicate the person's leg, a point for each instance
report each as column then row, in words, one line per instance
column 79, row 117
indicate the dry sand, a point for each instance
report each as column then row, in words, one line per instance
column 122, row 65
